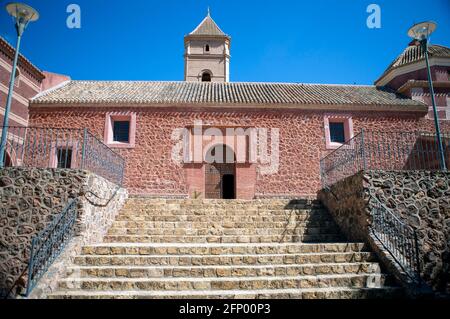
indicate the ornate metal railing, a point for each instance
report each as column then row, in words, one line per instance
column 62, row 148
column 44, row 249
column 339, row 163
column 399, row 239
column 370, row 150
column 49, row 243
column 99, row 158
column 57, row 148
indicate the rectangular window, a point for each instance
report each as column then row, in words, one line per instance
column 121, row 131
column 64, row 157
column 337, row 132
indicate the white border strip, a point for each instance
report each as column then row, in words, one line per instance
column 43, row 93
column 17, row 97
column 14, row 117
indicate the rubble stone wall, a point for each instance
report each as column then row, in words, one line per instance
column 30, row 198
column 420, row 198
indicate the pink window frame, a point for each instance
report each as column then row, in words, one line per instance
column 64, row 145
column 120, row 116
column 348, row 129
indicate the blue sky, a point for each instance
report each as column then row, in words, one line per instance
column 320, row 41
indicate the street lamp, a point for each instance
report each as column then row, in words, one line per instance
column 22, row 14
column 421, row 32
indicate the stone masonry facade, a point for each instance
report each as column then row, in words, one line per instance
column 31, row 198
column 151, row 171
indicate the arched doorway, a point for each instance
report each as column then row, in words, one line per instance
column 220, row 173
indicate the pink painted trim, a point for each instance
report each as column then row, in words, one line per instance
column 65, row 145
column 348, row 129
column 120, row 116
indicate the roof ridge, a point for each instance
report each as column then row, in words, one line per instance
column 208, row 27
column 50, row 90
column 226, row 83
column 234, row 94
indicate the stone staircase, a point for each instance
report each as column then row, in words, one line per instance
column 225, row 249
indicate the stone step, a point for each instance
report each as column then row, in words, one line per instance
column 223, row 210
column 229, row 259
column 235, row 225
column 321, row 238
column 220, row 212
column 225, row 202
column 222, row 206
column 219, row 231
column 222, row 271
column 220, row 219
column 269, row 203
column 297, row 293
column 183, row 248
column 219, row 249
column 226, row 283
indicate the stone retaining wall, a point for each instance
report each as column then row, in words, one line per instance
column 31, row 198
column 420, row 198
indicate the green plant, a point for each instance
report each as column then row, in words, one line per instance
column 197, row 194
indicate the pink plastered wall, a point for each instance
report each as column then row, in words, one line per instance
column 52, row 80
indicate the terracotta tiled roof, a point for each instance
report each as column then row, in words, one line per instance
column 208, row 27
column 217, row 94
column 9, row 50
column 414, row 53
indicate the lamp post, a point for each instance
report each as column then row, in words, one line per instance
column 421, row 32
column 22, row 14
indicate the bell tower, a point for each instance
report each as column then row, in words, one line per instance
column 207, row 53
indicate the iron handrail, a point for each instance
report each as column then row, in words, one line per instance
column 49, row 243
column 382, row 150
column 101, row 142
column 90, row 157
column 44, row 240
column 340, row 160
column 50, row 147
column 38, row 147
column 344, row 145
column 398, row 238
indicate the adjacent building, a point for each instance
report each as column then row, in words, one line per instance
column 27, row 83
